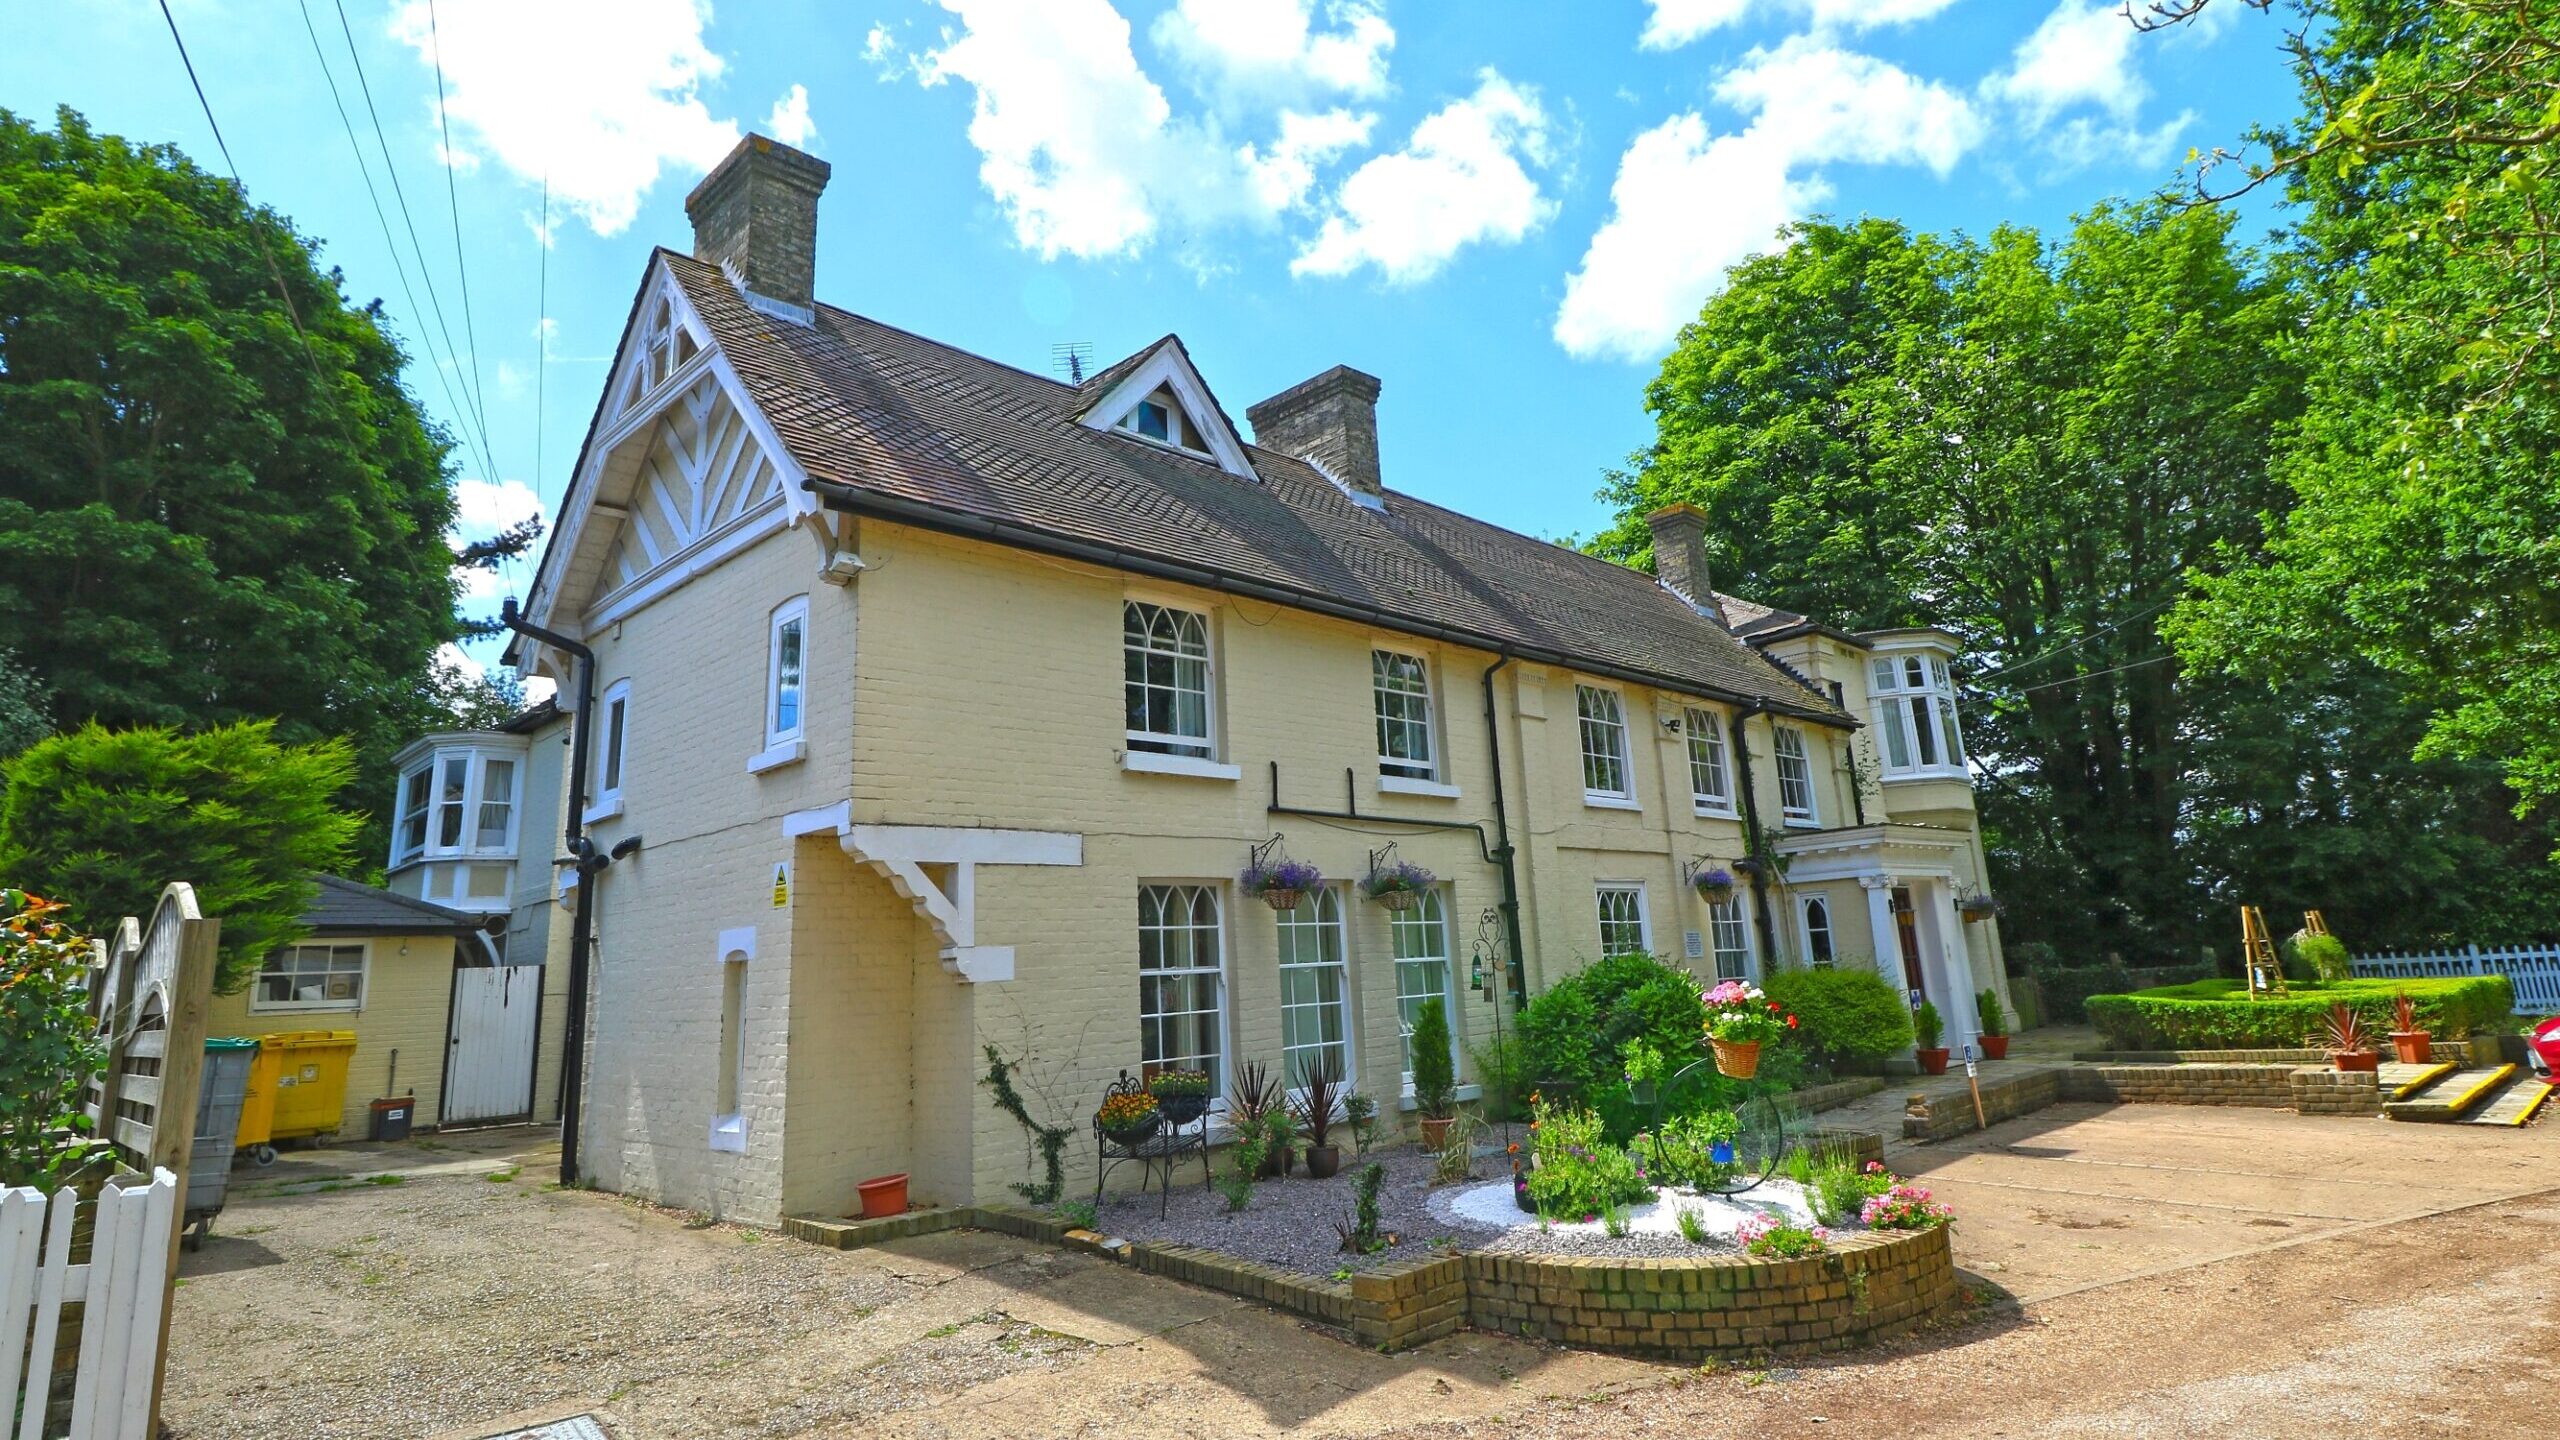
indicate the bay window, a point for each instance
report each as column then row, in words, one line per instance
column 1915, row 716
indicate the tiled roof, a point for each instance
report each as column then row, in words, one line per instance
column 874, row 413
column 344, row 907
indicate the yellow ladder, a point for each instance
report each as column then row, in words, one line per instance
column 2258, row 954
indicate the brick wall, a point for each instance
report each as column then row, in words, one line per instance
column 2270, row 1086
column 2336, row 1092
column 1926, row 1117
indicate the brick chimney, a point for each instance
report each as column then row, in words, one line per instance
column 1680, row 556
column 1331, row 422
column 756, row 214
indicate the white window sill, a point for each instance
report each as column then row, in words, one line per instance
column 1892, row 777
column 601, row 811
column 1406, row 1102
column 1803, row 823
column 1406, row 785
column 351, row 1008
column 1148, row 762
column 1611, row 802
column 1712, row 812
column 789, row 752
column 729, row 1134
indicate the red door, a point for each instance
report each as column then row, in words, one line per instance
column 1907, row 927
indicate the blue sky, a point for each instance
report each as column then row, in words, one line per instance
column 1502, row 209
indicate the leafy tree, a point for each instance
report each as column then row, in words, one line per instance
column 25, row 707
column 104, row 819
column 2423, row 529
column 217, row 507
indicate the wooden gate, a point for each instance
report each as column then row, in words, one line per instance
column 489, row 1049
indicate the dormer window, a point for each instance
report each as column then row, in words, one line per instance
column 1161, row 418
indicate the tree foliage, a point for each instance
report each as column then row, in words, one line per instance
column 48, row 1045
column 106, row 818
column 208, row 514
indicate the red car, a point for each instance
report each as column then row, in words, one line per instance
column 2546, row 1050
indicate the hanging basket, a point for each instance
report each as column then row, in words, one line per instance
column 1283, row 898
column 1737, row 1059
column 1714, row 886
column 1979, row 907
column 1398, row 899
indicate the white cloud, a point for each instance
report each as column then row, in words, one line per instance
column 1675, row 23
column 1272, row 50
column 790, row 122
column 2084, row 56
column 882, row 52
column 482, row 508
column 1688, row 203
column 1458, row 180
column 1082, row 150
column 600, row 96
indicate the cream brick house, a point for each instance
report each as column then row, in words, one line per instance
column 944, row 701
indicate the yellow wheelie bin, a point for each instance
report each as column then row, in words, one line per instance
column 297, row 1088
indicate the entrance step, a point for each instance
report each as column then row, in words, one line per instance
column 2517, row 1104
column 2399, row 1081
column 2451, row 1097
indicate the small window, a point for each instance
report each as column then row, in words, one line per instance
column 1604, row 744
column 1182, row 998
column 1622, row 921
column 497, row 805
column 1421, row 937
column 1817, row 932
column 785, row 662
column 412, row 827
column 1915, row 712
column 1731, row 938
column 455, row 783
column 1166, row 658
column 1315, row 991
column 1152, row 420
column 1161, row 418
column 1401, row 685
column 1710, row 787
column 613, row 730
column 311, row 977
column 1795, row 778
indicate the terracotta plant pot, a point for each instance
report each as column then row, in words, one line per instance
column 883, row 1197
column 1995, row 1047
column 2414, row 1047
column 1737, row 1059
column 1435, row 1133
column 2355, row 1061
column 1932, row 1062
column 1323, row 1161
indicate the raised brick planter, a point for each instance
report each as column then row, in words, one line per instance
column 1928, row 1118
column 2268, row 1086
column 2336, row 1092
column 2202, row 1057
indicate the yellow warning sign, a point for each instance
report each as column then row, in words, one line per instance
column 782, row 887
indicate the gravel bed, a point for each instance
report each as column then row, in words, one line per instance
column 1290, row 1223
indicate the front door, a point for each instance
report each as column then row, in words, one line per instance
column 1906, row 927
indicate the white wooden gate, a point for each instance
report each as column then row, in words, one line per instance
column 497, row 1015
column 118, row 1289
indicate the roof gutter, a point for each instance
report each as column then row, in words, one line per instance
column 855, row 500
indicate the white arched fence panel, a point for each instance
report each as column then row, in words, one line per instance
column 119, row 1291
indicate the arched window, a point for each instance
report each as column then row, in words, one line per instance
column 1817, row 931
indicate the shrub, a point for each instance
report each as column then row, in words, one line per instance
column 2325, row 956
column 1578, row 1033
column 48, row 1047
column 1993, row 1019
column 1927, row 1026
column 1683, row 1149
column 1359, row 1229
column 2066, row 989
column 2219, row 1015
column 1768, row 1236
column 1435, row 1079
column 1847, row 1015
column 1580, row 1172
column 1502, row 1070
column 1841, row 1187
column 1905, row 1207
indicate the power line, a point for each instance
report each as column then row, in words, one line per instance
column 2107, row 629
column 453, row 203
column 274, row 271
column 2094, row 674
column 426, row 341
column 382, row 141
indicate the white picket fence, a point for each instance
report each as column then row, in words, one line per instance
column 2534, row 970
column 119, row 1290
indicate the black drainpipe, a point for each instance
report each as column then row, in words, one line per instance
column 573, row 1043
column 1751, row 832
column 1502, row 852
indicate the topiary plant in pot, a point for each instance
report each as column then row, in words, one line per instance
column 1929, row 1028
column 1994, row 1025
column 1435, row 1073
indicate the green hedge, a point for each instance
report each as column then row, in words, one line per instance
column 2219, row 1015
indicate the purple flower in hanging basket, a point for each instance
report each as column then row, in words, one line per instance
column 1280, row 875
column 1714, row 882
column 1400, row 878
column 1980, row 905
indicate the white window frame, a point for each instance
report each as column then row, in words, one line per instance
column 1427, row 919
column 476, row 819
column 1787, row 748
column 260, row 1005
column 1729, row 921
column 612, row 758
column 1178, row 422
column 1321, row 928
column 1705, row 730
column 426, row 812
column 1608, row 725
column 1915, row 715
column 1172, row 745
column 1829, row 930
column 1221, row 1075
column 784, row 744
column 1425, row 727
column 413, row 809
column 733, row 954
column 1602, row 893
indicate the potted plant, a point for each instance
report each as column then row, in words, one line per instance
column 1318, row 1106
column 1280, row 884
column 1739, row 1021
column 1128, row 1117
column 1713, row 884
column 1435, row 1073
column 2409, row 1039
column 1398, row 886
column 1182, row 1096
column 1929, row 1028
column 2350, row 1044
column 1980, row 905
column 1995, row 1025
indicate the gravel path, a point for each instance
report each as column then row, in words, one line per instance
column 1290, row 1223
